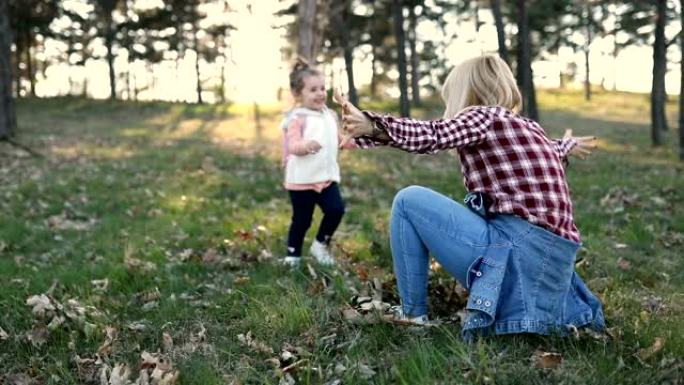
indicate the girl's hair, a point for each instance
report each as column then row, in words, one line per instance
column 481, row 81
column 301, row 71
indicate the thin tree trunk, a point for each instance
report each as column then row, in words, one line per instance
column 681, row 87
column 18, row 42
column 587, row 84
column 525, row 76
column 398, row 16
column 29, row 64
column 341, row 18
column 658, row 97
column 198, row 85
column 109, row 42
column 306, row 17
column 8, row 119
column 415, row 77
column 500, row 32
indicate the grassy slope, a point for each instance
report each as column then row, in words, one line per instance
column 167, row 182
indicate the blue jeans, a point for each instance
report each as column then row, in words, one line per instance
column 425, row 222
column 521, row 277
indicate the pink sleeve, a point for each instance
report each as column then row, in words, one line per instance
column 295, row 137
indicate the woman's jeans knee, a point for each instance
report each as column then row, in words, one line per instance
column 426, row 223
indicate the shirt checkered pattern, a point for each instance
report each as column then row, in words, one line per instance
column 502, row 154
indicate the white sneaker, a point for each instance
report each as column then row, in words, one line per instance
column 321, row 252
column 291, row 261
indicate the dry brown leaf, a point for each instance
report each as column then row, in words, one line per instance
column 546, row 360
column 119, row 375
column 110, row 336
column 18, row 379
column 240, row 280
column 250, row 342
column 657, row 346
column 624, row 264
column 100, row 285
column 365, row 372
column 211, row 256
column 41, row 304
column 38, row 334
column 134, row 264
column 167, row 342
column 3, row 335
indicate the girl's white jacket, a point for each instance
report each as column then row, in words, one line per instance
column 322, row 166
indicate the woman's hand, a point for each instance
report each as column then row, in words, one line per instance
column 354, row 122
column 312, row 147
column 584, row 144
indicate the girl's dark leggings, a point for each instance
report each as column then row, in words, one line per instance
column 303, row 203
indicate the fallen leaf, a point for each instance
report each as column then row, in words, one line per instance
column 546, row 360
column 119, row 375
column 211, row 256
column 40, row 304
column 167, row 342
column 38, row 334
column 240, row 280
column 624, row 264
column 100, row 285
column 137, row 326
column 110, row 336
column 250, row 342
column 657, row 346
column 3, row 335
column 365, row 372
column 287, row 379
column 18, row 379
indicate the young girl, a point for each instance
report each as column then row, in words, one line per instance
column 514, row 243
column 312, row 173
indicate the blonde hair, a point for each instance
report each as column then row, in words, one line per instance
column 481, row 81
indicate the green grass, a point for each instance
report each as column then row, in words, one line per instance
column 196, row 192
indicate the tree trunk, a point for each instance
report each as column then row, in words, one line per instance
column 415, row 77
column 524, row 70
column 658, row 97
column 587, row 84
column 198, row 85
column 8, row 120
column 18, row 41
column 398, row 16
column 306, row 17
column 340, row 16
column 29, row 64
column 109, row 42
column 681, row 87
column 500, row 32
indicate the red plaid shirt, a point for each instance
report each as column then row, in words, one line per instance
column 502, row 154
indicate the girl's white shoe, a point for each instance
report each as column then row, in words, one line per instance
column 321, row 252
column 291, row 261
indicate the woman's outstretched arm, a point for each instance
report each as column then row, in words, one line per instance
column 369, row 129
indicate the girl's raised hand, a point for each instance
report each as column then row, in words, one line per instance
column 354, row 122
column 585, row 144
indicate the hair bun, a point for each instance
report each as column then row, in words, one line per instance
column 301, row 64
